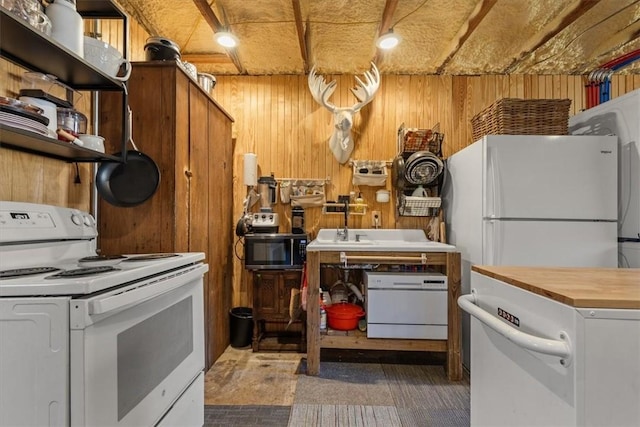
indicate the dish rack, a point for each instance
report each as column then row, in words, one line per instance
column 418, row 206
column 415, row 139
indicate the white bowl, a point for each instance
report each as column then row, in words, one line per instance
column 92, row 142
column 105, row 57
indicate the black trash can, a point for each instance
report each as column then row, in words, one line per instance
column 241, row 326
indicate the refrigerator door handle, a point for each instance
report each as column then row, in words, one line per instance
column 560, row 348
column 490, row 242
column 492, row 186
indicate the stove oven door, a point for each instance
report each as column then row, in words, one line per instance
column 136, row 350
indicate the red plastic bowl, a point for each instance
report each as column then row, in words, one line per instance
column 344, row 316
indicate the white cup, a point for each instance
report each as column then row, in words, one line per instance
column 419, row 192
column 382, row 196
column 92, row 142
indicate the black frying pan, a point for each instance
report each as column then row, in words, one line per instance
column 131, row 183
column 398, row 170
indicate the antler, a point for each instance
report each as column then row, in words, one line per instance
column 321, row 90
column 341, row 142
column 365, row 92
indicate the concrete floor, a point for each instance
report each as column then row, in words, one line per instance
column 376, row 389
column 242, row 377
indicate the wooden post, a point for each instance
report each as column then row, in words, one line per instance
column 313, row 313
column 454, row 361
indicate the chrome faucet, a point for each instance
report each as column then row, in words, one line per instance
column 344, row 233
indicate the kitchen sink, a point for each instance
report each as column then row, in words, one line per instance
column 378, row 240
column 355, row 237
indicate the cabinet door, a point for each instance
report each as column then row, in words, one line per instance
column 198, row 173
column 158, row 225
column 197, row 176
column 266, row 291
column 220, row 219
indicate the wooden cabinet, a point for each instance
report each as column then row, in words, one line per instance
column 189, row 136
column 271, row 298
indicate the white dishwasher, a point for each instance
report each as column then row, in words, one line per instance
column 405, row 305
column 554, row 346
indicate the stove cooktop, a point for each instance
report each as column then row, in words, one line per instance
column 71, row 277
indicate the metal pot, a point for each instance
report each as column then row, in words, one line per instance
column 161, row 49
column 206, row 81
column 344, row 316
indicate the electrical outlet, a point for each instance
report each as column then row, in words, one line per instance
column 376, row 219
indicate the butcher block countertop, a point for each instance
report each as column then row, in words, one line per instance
column 577, row 287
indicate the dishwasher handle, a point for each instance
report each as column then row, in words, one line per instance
column 560, row 348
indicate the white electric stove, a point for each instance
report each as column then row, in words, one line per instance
column 93, row 340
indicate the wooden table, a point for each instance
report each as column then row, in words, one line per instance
column 315, row 341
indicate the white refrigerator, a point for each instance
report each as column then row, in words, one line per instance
column 532, row 200
column 621, row 117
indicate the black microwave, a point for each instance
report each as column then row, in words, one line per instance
column 274, row 251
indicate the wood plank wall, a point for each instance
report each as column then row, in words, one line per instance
column 277, row 119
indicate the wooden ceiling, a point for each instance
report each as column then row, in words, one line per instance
column 457, row 37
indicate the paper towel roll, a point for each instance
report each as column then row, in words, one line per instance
column 250, row 169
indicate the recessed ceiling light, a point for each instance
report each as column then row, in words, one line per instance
column 388, row 41
column 226, row 39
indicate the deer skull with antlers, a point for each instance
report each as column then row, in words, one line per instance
column 341, row 142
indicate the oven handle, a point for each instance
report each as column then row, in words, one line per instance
column 138, row 293
column 560, row 348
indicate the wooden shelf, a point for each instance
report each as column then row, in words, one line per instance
column 99, row 9
column 34, row 143
column 27, row 47
column 24, row 45
column 357, row 340
column 352, row 208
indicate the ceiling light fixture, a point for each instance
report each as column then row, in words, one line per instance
column 388, row 40
column 226, row 39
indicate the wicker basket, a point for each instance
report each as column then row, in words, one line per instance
column 511, row 116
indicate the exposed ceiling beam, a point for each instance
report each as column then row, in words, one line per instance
column 387, row 16
column 385, row 24
column 301, row 35
column 617, row 44
column 476, row 17
column 552, row 29
column 216, row 26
